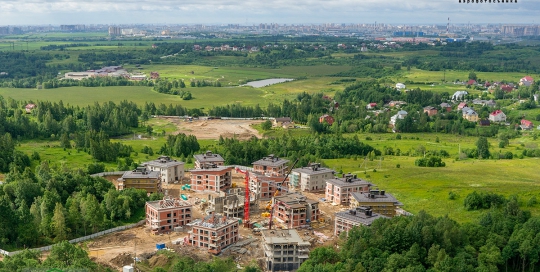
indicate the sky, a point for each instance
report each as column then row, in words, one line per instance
column 249, row 12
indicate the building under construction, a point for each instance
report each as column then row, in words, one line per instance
column 311, row 178
column 215, row 232
column 167, row 214
column 284, row 250
column 230, row 204
column 294, row 210
column 338, row 190
column 211, row 177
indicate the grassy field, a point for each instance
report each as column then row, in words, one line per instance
column 427, row 189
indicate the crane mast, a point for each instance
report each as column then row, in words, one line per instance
column 246, row 196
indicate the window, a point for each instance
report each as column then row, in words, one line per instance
column 168, row 215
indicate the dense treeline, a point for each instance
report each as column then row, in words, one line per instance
column 306, row 149
column 54, row 119
column 504, row 239
column 180, row 145
column 53, row 204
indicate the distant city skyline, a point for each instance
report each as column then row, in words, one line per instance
column 246, row 12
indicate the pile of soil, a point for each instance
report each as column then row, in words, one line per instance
column 122, row 259
column 158, row 260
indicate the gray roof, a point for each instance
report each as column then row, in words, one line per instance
column 359, row 217
column 353, row 181
column 283, row 236
column 365, row 197
column 271, row 160
column 311, row 171
column 163, row 161
column 141, row 175
column 208, row 157
column 444, row 105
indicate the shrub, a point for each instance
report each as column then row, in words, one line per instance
column 452, row 195
column 430, row 162
column 398, row 165
column 477, row 201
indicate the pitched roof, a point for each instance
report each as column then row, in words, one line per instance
column 527, row 78
column 497, row 112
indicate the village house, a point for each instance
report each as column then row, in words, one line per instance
column 355, row 217
column 284, row 250
column 140, row 178
column 471, row 82
column 446, row 107
column 526, row 125
column 430, row 110
column 470, row 115
column 154, row 75
column 497, row 116
column 215, row 232
column 326, row 118
column 211, row 177
column 378, row 200
column 278, row 122
column 461, row 106
column 208, row 157
column 484, row 123
column 459, row 95
column 371, row 106
column 396, row 103
column 167, row 214
column 338, row 190
column 294, row 210
column 311, row 178
column 170, row 170
column 400, row 86
column 399, row 116
column 29, row 107
column 526, row 81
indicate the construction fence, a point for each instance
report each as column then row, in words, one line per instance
column 80, row 239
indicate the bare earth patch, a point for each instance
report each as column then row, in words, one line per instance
column 212, row 129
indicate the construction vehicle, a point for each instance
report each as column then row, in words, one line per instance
column 246, row 196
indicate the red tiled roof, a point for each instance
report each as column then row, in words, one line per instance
column 527, row 78
column 496, row 112
column 526, row 122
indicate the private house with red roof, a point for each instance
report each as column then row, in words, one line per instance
column 461, row 106
column 526, row 81
column 497, row 116
column 326, row 118
column 526, row 125
column 471, row 82
column 507, row 88
column 371, row 106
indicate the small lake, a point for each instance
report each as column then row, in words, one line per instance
column 267, row 82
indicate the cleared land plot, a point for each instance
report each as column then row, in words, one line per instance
column 212, row 129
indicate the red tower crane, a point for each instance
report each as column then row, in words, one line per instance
column 246, row 195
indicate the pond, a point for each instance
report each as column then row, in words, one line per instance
column 267, row 82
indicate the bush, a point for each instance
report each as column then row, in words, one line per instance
column 532, row 201
column 430, row 162
column 398, row 165
column 477, row 201
column 452, row 195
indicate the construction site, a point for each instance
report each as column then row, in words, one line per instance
column 238, row 222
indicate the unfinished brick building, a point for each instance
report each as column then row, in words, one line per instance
column 214, row 232
column 346, row 220
column 211, row 177
column 294, row 210
column 264, row 186
column 230, row 204
column 167, row 214
column 140, row 178
column 338, row 190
